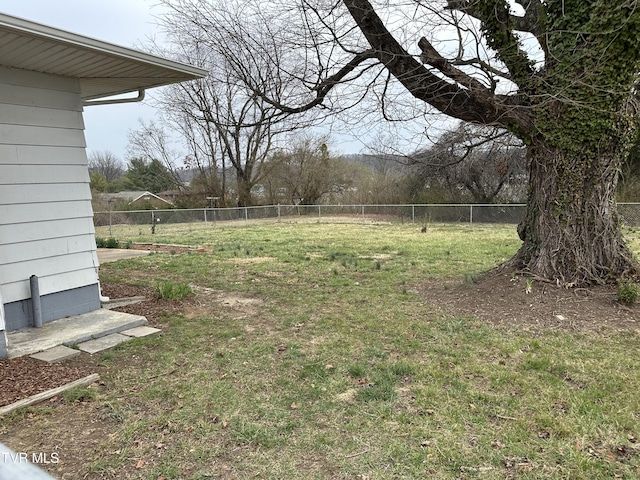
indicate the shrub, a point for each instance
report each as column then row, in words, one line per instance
column 107, row 243
column 112, row 243
column 628, row 292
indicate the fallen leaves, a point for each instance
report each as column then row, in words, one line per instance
column 521, row 464
column 609, row 452
column 22, row 377
column 497, row 444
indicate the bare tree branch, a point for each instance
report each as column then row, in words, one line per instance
column 430, row 56
column 323, row 89
column 477, row 105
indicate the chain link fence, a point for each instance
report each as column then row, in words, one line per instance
column 365, row 214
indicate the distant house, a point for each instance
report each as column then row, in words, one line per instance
column 135, row 198
column 47, row 76
column 187, row 198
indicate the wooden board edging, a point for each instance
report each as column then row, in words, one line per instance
column 39, row 397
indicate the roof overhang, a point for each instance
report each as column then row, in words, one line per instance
column 103, row 69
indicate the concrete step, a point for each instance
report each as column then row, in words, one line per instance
column 102, row 343
column 56, row 354
column 61, row 352
column 70, row 331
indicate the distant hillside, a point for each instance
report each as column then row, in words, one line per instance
column 379, row 163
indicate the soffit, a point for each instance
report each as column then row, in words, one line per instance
column 103, row 69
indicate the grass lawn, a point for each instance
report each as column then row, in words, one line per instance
column 329, row 364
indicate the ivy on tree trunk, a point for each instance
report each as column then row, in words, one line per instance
column 571, row 232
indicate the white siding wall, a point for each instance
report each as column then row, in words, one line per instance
column 46, row 224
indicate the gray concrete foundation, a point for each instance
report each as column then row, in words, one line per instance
column 3, row 344
column 54, row 306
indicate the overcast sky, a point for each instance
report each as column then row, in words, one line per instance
column 123, row 22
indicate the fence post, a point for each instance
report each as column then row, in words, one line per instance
column 278, row 213
column 363, row 214
column 205, row 215
column 471, row 215
column 246, row 214
column 413, row 214
column 319, row 216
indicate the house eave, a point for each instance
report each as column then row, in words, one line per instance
column 102, row 68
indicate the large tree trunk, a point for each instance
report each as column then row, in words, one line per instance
column 244, row 190
column 570, row 232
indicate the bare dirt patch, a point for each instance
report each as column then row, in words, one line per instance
column 506, row 300
column 249, row 260
column 208, row 301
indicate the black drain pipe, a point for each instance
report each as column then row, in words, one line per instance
column 35, row 301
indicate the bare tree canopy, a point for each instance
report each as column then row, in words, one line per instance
column 223, row 120
column 305, row 172
column 151, row 144
column 558, row 74
column 473, row 163
column 107, row 164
